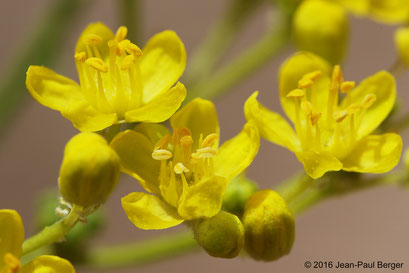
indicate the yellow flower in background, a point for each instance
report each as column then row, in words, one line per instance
column 185, row 173
column 118, row 81
column 11, row 239
column 385, row 11
column 328, row 135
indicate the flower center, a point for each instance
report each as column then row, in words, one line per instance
column 180, row 167
column 336, row 125
column 111, row 85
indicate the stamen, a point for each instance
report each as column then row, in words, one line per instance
column 368, row 101
column 179, row 168
column 122, row 45
column 161, row 154
column 353, row 108
column 80, row 56
column 347, row 86
column 210, row 140
column 97, row 64
column 12, row 262
column 92, row 39
column 178, row 134
column 336, row 80
column 308, row 79
column 206, row 152
column 296, row 94
column 127, row 62
column 121, row 33
column 305, row 83
column 163, row 142
column 337, row 75
column 340, row 115
column 186, row 143
column 306, row 107
column 131, row 48
column 315, row 117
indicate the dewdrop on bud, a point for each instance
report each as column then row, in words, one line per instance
column 269, row 226
column 221, row 235
column 321, row 27
column 89, row 171
column 402, row 44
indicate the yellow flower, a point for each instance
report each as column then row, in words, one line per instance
column 118, row 81
column 385, row 11
column 11, row 239
column 185, row 173
column 330, row 136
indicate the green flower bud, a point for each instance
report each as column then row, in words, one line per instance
column 237, row 193
column 269, row 226
column 406, row 159
column 89, row 171
column 221, row 235
column 402, row 44
column 321, row 27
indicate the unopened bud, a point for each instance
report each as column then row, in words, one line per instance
column 402, row 44
column 89, row 171
column 321, row 27
column 237, row 193
column 221, row 235
column 269, row 226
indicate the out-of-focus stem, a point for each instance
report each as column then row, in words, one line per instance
column 40, row 49
column 131, row 16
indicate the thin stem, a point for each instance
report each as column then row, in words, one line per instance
column 219, row 38
column 131, row 16
column 302, row 184
column 142, row 252
column 246, row 64
column 51, row 234
column 41, row 49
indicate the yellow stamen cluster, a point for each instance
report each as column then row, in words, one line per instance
column 180, row 167
column 111, row 85
column 309, row 123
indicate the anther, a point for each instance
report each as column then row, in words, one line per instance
column 306, row 107
column 353, row 108
column 296, row 94
column 206, row 152
column 179, row 168
column 305, row 83
column 210, row 140
column 80, row 56
column 368, row 101
column 161, row 154
column 121, row 47
column 97, row 64
column 12, row 262
column 127, row 62
column 163, row 142
column 315, row 117
column 347, row 86
column 133, row 49
column 92, row 39
column 121, row 33
column 337, row 75
column 340, row 115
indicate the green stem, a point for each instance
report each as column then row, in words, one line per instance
column 219, row 38
column 142, row 252
column 246, row 64
column 41, row 48
column 131, row 16
column 51, row 234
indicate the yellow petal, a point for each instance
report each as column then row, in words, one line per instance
column 51, row 89
column 163, row 62
column 203, row 199
column 390, row 11
column 236, row 154
column 11, row 235
column 149, row 212
column 382, row 85
column 317, row 164
column 160, row 108
column 135, row 152
column 271, row 125
column 95, row 29
column 86, row 118
column 292, row 71
column 200, row 117
column 375, row 154
column 152, row 131
column 48, row 264
column 358, row 7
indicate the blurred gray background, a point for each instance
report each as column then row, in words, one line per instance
column 368, row 226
